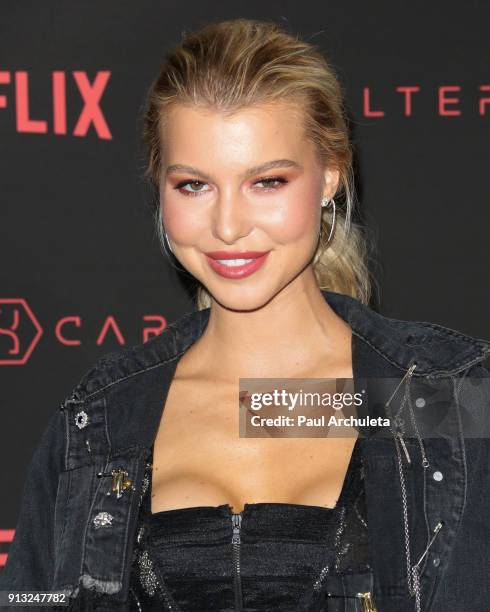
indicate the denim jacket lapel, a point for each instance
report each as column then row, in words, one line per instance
column 398, row 541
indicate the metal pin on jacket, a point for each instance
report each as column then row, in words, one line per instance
column 120, row 481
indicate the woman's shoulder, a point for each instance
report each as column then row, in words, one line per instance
column 437, row 349
column 452, row 349
column 128, row 362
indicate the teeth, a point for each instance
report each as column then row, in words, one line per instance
column 234, row 262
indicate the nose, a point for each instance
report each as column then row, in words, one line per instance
column 230, row 218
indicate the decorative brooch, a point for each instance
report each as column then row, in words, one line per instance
column 81, row 419
column 103, row 519
column 120, row 481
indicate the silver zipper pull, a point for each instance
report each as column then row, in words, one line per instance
column 237, row 521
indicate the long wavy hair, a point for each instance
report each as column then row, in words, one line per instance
column 234, row 64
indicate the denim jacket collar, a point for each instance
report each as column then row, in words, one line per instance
column 437, row 350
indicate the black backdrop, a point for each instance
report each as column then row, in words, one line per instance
column 76, row 237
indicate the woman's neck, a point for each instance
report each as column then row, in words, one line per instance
column 295, row 334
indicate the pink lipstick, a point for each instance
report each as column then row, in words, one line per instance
column 236, row 264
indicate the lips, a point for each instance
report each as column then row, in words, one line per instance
column 241, row 263
column 235, row 254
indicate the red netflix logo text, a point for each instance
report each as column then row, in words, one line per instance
column 446, row 98
column 90, row 93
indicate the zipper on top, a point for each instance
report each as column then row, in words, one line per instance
column 236, row 521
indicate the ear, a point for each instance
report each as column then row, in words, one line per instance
column 331, row 181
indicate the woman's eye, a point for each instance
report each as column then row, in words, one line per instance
column 268, row 181
column 191, row 192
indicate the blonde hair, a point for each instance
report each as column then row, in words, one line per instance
column 234, row 64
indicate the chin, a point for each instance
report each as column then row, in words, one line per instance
column 241, row 298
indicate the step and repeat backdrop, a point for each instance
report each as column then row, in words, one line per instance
column 81, row 270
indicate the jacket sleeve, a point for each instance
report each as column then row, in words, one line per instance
column 30, row 559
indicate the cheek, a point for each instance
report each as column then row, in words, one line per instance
column 182, row 219
column 295, row 214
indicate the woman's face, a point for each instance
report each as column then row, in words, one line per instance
column 237, row 184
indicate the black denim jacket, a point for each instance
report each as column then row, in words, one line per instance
column 63, row 542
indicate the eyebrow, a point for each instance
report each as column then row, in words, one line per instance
column 276, row 163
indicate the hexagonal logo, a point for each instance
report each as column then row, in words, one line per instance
column 20, row 331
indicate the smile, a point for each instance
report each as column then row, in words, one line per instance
column 238, row 267
column 234, row 262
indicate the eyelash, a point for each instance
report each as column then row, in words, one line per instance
column 264, row 179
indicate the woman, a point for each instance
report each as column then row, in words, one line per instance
column 130, row 506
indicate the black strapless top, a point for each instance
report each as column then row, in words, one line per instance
column 270, row 556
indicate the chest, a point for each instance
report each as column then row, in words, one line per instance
column 199, row 458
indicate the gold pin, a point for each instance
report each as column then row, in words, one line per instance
column 367, row 602
column 120, row 482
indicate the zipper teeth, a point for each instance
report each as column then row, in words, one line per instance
column 236, row 521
